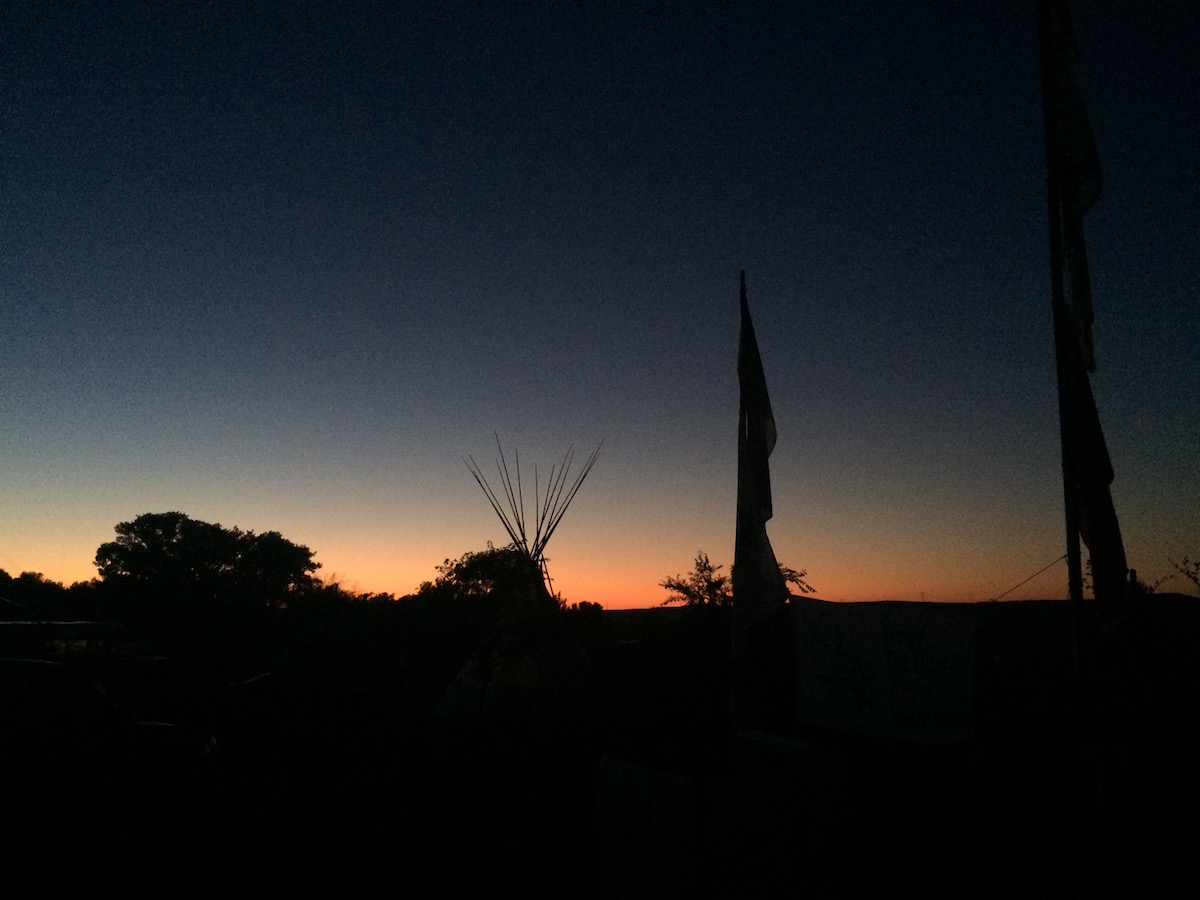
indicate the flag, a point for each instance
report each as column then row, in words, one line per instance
column 762, row 657
column 1098, row 525
column 756, row 422
column 1075, row 183
column 1077, row 175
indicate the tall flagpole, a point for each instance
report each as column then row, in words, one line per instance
column 763, row 676
column 1067, row 420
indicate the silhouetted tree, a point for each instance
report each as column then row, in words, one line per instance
column 199, row 560
column 797, row 577
column 705, row 586
column 505, row 575
column 272, row 565
column 30, row 595
column 1188, row 569
column 586, row 608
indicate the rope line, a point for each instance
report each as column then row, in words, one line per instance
column 1030, row 578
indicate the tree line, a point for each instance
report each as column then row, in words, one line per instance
column 171, row 561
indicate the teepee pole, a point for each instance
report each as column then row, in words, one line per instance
column 549, row 507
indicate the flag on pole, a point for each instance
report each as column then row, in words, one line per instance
column 1077, row 173
column 1075, row 182
column 763, row 672
column 756, row 423
column 1098, row 525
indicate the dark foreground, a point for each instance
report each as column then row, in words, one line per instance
column 618, row 777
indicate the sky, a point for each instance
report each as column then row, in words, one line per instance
column 287, row 268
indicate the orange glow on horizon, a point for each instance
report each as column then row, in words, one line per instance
column 613, row 590
column 585, row 571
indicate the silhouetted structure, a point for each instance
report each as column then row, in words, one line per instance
column 550, row 507
column 527, row 671
column 762, row 665
column 1073, row 185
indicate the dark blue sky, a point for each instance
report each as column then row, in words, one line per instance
column 285, row 269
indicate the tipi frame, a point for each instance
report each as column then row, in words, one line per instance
column 550, row 507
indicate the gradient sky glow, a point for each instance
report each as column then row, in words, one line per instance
column 286, row 269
